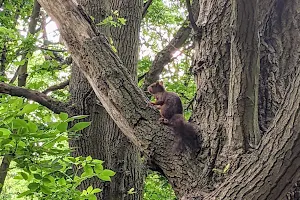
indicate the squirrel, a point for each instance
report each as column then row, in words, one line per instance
column 171, row 112
column 185, row 133
column 168, row 103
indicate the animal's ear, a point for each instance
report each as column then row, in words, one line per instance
column 161, row 83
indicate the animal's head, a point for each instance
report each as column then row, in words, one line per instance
column 156, row 87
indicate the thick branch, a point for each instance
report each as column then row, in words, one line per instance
column 4, row 167
column 57, row 87
column 41, row 98
column 165, row 56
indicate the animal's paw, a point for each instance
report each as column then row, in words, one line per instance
column 150, row 104
column 163, row 120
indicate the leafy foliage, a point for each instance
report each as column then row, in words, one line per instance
column 157, row 187
column 39, row 148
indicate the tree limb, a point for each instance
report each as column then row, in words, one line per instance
column 4, row 167
column 165, row 56
column 57, row 87
column 3, row 59
column 191, row 16
column 146, row 6
column 22, row 70
column 41, row 98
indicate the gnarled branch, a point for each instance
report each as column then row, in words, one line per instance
column 41, row 98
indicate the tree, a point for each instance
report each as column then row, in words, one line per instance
column 245, row 90
column 119, row 154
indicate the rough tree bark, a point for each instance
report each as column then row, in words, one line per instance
column 266, row 173
column 103, row 139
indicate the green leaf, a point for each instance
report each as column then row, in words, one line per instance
column 19, row 123
column 122, row 21
column 73, row 160
column 33, row 168
column 77, row 117
column 92, row 197
column 98, row 168
column 45, row 189
column 26, row 193
column 62, row 182
column 29, row 108
column 22, row 62
column 88, row 170
column 46, row 180
column 89, row 158
column 96, row 161
column 32, row 127
column 4, row 132
column 96, row 190
column 108, row 172
column 21, row 144
column 63, row 116
column 18, row 177
column 63, row 126
column 104, row 178
column 33, row 186
column 37, row 176
column 89, row 189
column 79, row 126
column 131, row 191
column 24, row 175
column 226, row 168
column 49, row 177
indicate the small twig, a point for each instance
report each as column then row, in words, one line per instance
column 3, row 60
column 53, row 50
column 190, row 103
column 56, row 87
column 141, row 77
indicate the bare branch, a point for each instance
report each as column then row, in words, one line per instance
column 4, row 167
column 146, row 6
column 22, row 70
column 191, row 16
column 41, row 98
column 57, row 87
column 3, row 59
column 165, row 56
column 53, row 50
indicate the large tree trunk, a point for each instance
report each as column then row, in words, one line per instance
column 266, row 173
column 279, row 62
column 103, row 139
